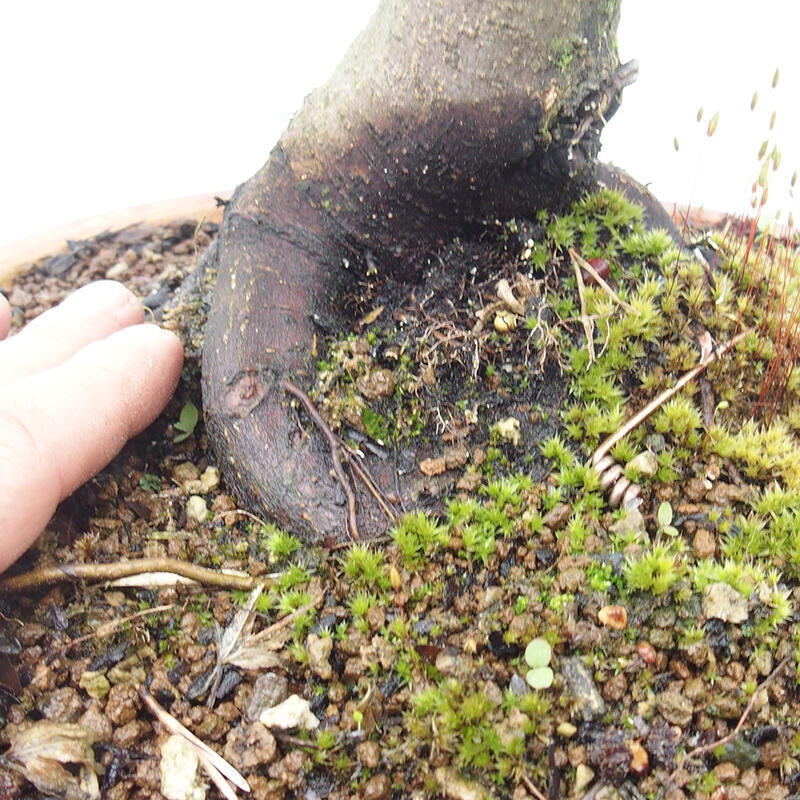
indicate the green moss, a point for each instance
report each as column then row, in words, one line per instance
column 417, row 535
column 365, row 565
column 361, row 603
column 466, row 721
column 656, row 571
column 763, row 452
column 278, row 544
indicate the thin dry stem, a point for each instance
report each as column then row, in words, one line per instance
column 529, row 785
column 586, row 320
column 47, row 576
column 218, row 769
column 579, row 261
column 707, row 748
column 333, row 443
column 657, row 402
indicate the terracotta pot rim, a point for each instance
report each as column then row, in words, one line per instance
column 19, row 255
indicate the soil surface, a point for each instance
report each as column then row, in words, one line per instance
column 407, row 657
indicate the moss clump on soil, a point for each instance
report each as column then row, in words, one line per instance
column 617, row 350
column 671, row 618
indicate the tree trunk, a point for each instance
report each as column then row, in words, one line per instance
column 443, row 114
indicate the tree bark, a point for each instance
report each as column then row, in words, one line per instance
column 442, row 115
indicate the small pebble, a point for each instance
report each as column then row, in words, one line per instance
column 584, row 775
column 432, row 466
column 269, row 690
column 722, row 601
column 210, row 479
column 727, row 772
column 369, row 754
column 584, row 694
column 645, row 463
column 632, row 522
column 566, row 729
column 647, row 653
column 455, row 456
column 184, row 472
column 196, row 509
column 379, row 383
column 456, row 787
column 614, row 617
column 180, row 776
column 95, row 684
column 505, row 322
column 117, row 271
column 318, row 649
column 293, row 712
column 508, row 429
column 640, row 761
column 704, row 544
column 249, row 746
column 378, row 787
column 695, row 489
column 675, row 708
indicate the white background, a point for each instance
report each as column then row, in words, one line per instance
column 105, row 105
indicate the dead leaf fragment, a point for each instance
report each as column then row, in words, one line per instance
column 239, row 646
column 40, row 751
column 369, row 318
column 506, row 294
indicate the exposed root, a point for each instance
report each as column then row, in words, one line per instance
column 333, row 443
column 47, row 576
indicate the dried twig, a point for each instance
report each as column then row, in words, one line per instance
column 532, row 788
column 333, row 443
column 217, row 768
column 110, row 627
column 698, row 751
column 579, row 261
column 373, row 489
column 47, row 576
column 705, row 359
column 586, row 320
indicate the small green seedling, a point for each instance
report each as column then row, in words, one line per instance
column 150, row 482
column 187, row 422
column 664, row 517
column 537, row 656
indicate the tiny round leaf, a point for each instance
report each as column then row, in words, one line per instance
column 538, row 653
column 540, row 678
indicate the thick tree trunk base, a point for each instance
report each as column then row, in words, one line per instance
column 401, row 151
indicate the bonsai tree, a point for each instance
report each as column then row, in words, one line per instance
column 442, row 115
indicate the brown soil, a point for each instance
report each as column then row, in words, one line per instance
column 629, row 703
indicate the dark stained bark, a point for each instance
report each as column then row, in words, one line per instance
column 443, row 114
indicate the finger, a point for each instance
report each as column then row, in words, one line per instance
column 5, row 317
column 60, row 426
column 92, row 312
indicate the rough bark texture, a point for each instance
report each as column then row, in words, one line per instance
column 443, row 114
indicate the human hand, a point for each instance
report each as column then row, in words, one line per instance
column 75, row 385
